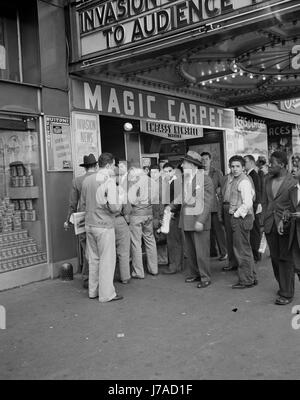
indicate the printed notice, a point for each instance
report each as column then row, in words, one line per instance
column 58, row 140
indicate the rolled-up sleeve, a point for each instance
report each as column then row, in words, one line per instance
column 247, row 193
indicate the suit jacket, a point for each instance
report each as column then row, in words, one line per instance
column 217, row 178
column 187, row 222
column 295, row 223
column 75, row 193
column 273, row 207
column 257, row 187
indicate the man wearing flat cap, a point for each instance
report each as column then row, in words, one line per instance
column 89, row 164
column 195, row 218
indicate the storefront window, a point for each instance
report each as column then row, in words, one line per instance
column 9, row 53
column 22, row 228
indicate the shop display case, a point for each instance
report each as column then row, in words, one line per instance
column 22, row 224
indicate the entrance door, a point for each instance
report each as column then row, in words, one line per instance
column 211, row 142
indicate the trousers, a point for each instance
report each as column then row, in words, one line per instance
column 141, row 227
column 217, row 230
column 175, row 245
column 85, row 263
column 240, row 231
column 282, row 262
column 197, row 250
column 101, row 250
column 123, row 247
column 255, row 237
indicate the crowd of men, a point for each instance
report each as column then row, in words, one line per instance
column 127, row 207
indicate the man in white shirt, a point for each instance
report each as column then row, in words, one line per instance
column 240, row 207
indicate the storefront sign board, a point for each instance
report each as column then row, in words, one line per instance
column 127, row 102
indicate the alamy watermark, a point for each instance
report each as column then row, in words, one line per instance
column 137, row 188
column 2, row 317
column 296, row 319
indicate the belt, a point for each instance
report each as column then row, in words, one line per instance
column 226, row 203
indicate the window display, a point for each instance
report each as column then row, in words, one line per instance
column 22, row 228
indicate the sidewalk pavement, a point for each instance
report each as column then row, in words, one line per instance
column 163, row 329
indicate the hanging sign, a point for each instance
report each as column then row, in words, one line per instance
column 170, row 130
column 58, row 143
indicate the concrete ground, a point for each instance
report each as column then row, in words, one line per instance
column 163, row 329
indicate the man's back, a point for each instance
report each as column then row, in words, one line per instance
column 99, row 200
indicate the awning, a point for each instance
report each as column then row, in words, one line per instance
column 271, row 111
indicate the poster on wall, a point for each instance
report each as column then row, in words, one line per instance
column 86, row 131
column 58, row 143
column 280, row 138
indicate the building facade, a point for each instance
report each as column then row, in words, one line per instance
column 183, row 74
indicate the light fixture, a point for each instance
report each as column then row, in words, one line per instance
column 128, row 127
column 251, row 76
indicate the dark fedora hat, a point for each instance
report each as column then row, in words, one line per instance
column 193, row 157
column 88, row 160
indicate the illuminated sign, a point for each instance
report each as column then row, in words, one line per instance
column 122, row 101
column 292, row 106
column 111, row 24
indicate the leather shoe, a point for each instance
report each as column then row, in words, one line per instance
column 255, row 283
column 229, row 268
column 191, row 279
column 125, row 281
column 223, row 258
column 282, row 301
column 241, row 286
column 203, row 284
column 168, row 272
column 117, row 297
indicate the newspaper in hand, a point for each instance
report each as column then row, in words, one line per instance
column 165, row 226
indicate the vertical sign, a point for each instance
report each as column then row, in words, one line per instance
column 58, row 143
column 86, row 131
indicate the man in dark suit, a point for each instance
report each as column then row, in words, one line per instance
column 255, row 234
column 275, row 201
column 293, row 216
column 217, row 228
column 195, row 219
column 90, row 165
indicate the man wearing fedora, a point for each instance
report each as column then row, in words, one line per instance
column 90, row 165
column 195, row 218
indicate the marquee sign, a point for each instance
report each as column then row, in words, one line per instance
column 111, row 24
column 292, row 106
column 119, row 101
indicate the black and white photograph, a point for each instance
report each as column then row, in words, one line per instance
column 149, row 193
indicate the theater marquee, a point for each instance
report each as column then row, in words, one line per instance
column 111, row 24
